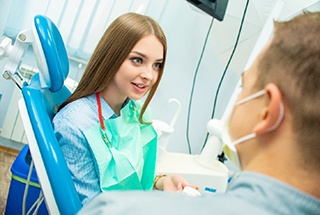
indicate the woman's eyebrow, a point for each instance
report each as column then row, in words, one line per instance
column 159, row 60
column 139, row 53
column 144, row 56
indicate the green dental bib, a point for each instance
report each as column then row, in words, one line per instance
column 128, row 163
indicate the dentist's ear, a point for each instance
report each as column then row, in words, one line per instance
column 272, row 113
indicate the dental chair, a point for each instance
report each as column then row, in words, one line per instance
column 40, row 100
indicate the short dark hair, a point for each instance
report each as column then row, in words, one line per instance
column 292, row 62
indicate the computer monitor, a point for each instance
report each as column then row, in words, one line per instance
column 215, row 8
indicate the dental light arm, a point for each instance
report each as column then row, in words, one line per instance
column 14, row 53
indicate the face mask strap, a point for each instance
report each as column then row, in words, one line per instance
column 274, row 127
column 242, row 139
column 253, row 96
column 230, row 146
column 279, row 120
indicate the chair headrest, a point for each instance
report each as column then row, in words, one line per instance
column 51, row 54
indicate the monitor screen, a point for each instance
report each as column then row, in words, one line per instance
column 215, row 8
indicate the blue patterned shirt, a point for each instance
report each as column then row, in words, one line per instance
column 69, row 124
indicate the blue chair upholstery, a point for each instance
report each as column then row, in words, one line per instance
column 42, row 96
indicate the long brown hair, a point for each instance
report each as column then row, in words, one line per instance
column 111, row 51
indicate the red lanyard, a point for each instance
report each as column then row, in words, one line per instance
column 100, row 111
column 103, row 128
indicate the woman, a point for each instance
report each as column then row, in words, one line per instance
column 105, row 134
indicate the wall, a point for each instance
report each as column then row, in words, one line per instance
column 83, row 22
column 186, row 28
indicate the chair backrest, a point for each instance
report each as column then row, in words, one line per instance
column 42, row 96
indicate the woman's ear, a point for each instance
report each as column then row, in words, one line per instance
column 272, row 112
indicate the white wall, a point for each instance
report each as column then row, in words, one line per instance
column 184, row 53
column 186, row 28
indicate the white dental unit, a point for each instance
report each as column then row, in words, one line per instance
column 202, row 170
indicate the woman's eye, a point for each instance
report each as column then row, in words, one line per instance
column 136, row 60
column 158, row 66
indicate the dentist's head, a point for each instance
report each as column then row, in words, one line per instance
column 274, row 126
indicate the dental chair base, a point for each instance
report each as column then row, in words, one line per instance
column 23, row 180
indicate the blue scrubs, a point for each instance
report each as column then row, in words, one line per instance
column 250, row 193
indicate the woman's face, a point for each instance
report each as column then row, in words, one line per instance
column 139, row 71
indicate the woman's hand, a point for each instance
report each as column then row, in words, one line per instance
column 172, row 183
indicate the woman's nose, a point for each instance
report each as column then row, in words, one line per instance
column 147, row 73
